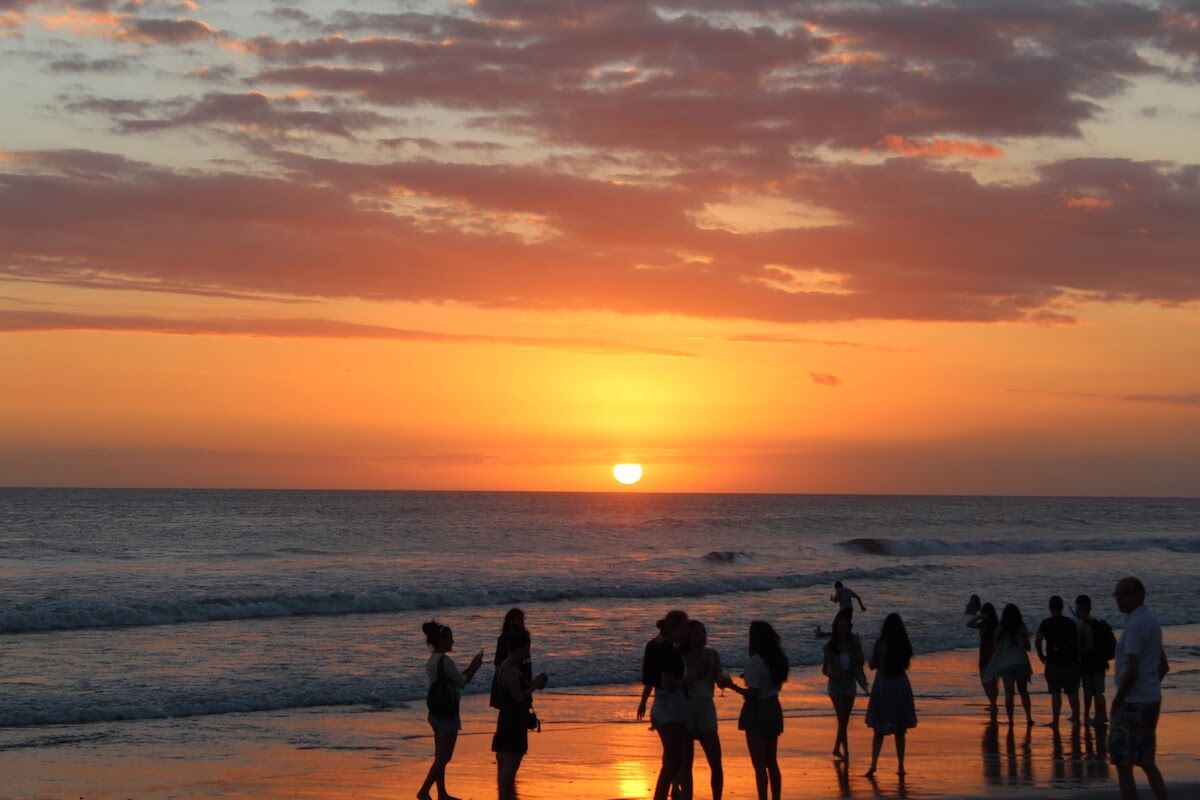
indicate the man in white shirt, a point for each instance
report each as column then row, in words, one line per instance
column 1141, row 665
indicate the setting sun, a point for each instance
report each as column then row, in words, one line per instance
column 627, row 474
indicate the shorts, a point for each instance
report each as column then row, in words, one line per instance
column 1093, row 682
column 669, row 706
column 1062, row 677
column 444, row 725
column 1132, row 736
column 701, row 715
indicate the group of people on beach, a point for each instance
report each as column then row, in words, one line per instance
column 681, row 672
column 1076, row 653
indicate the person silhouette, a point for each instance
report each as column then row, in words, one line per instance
column 1060, row 636
column 845, row 597
column 762, row 715
column 891, row 711
column 843, row 666
column 445, row 684
column 1010, row 661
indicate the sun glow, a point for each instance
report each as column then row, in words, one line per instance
column 627, row 474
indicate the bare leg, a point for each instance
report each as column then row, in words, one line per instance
column 759, row 762
column 1023, row 688
column 900, row 732
column 443, row 751
column 711, row 743
column 1055, row 708
column 1073, row 702
column 1008, row 698
column 876, row 746
column 1128, row 784
column 683, row 781
column 771, row 751
column 992, row 691
column 675, row 739
column 1157, row 785
column 508, row 764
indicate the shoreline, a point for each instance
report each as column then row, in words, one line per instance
column 592, row 748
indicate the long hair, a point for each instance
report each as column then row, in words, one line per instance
column 835, row 644
column 987, row 613
column 1012, row 623
column 764, row 643
column 511, row 617
column 899, row 649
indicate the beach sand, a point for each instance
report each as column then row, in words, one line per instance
column 592, row 748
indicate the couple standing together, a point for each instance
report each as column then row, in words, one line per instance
column 682, row 672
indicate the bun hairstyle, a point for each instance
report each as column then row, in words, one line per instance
column 434, row 631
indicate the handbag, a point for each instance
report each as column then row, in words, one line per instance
column 442, row 699
column 532, row 722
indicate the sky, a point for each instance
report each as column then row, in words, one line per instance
column 868, row 246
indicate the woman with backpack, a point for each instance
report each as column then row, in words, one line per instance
column 445, row 690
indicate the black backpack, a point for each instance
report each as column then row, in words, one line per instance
column 442, row 699
column 1104, row 641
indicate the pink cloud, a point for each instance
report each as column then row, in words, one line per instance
column 938, row 148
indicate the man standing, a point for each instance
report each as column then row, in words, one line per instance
column 1061, row 659
column 1141, row 665
column 845, row 599
column 1096, row 647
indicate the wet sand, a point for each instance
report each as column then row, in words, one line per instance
column 592, row 748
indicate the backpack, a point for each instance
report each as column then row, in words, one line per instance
column 1104, row 642
column 442, row 700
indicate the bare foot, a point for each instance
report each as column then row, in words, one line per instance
column 869, row 773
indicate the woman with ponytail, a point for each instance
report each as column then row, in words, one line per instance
column 445, row 690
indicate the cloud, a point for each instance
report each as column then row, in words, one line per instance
column 1189, row 400
column 911, row 242
column 76, row 64
column 825, row 379
column 938, row 148
column 251, row 113
column 690, row 80
column 18, row 321
column 769, row 338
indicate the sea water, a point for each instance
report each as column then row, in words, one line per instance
column 143, row 605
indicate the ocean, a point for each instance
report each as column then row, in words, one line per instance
column 119, row 605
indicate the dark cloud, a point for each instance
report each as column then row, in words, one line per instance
column 248, row 112
column 916, row 242
column 15, row 321
column 76, row 64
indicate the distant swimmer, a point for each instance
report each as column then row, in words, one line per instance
column 845, row 598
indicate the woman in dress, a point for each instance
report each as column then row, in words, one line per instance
column 663, row 673
column 515, row 698
column 843, row 666
column 987, row 623
column 442, row 669
column 704, row 665
column 1010, row 660
column 762, row 715
column 891, row 710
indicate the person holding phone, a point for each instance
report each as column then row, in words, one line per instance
column 446, row 684
column 515, row 701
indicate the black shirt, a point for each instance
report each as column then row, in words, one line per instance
column 1062, row 640
column 661, row 657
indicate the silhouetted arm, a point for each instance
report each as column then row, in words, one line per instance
column 1163, row 666
column 1037, row 643
column 854, row 594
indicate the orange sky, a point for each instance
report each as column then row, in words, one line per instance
column 287, row 256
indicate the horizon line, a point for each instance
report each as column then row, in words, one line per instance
column 627, row 491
